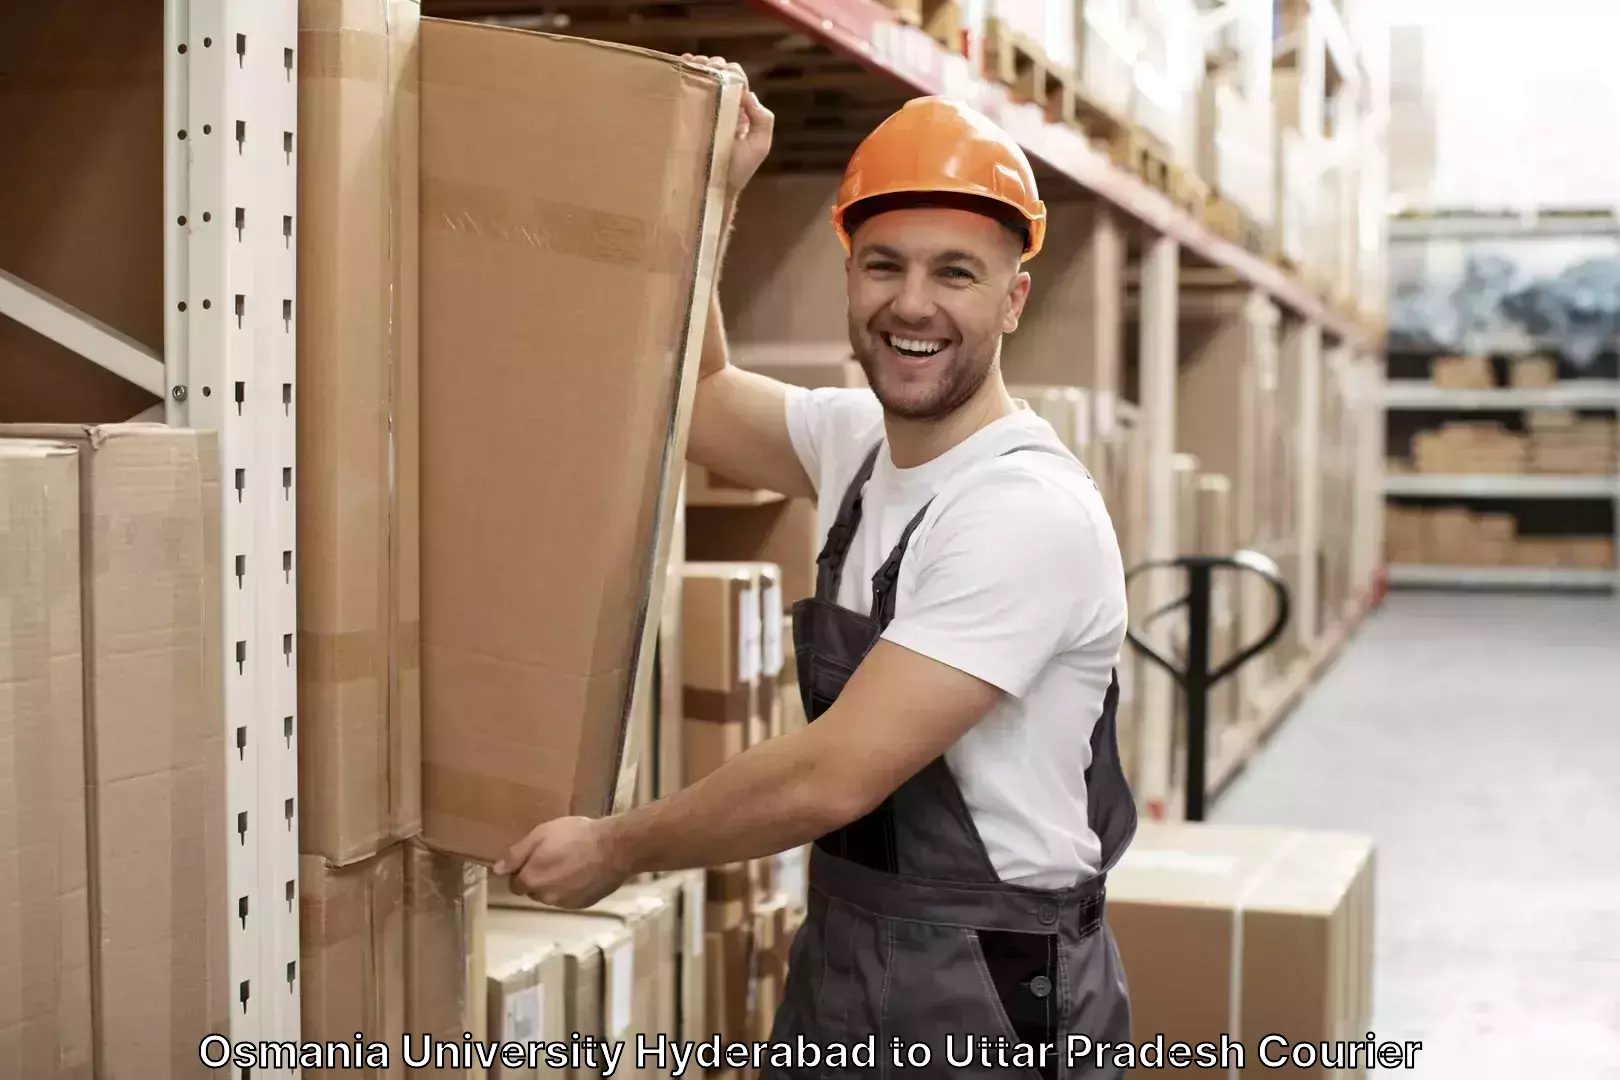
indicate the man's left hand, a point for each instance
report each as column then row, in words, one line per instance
column 567, row 863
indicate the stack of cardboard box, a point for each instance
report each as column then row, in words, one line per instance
column 1470, row 447
column 1566, row 444
column 442, row 608
column 113, row 780
column 390, row 929
column 1459, row 536
column 1462, row 372
column 1236, row 141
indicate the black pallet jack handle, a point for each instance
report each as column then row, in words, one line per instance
column 1197, row 680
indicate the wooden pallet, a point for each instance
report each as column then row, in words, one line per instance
column 1228, row 221
column 939, row 19
column 1145, row 155
column 1189, row 192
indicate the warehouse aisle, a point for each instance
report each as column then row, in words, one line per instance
column 1477, row 738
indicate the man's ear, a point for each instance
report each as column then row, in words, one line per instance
column 1017, row 297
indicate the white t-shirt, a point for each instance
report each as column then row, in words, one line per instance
column 1013, row 576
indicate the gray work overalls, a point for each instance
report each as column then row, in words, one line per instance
column 910, row 934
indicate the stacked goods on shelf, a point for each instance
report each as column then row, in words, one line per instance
column 1167, row 75
column 110, row 548
column 1474, row 447
column 357, row 476
column 1235, row 141
column 390, row 931
column 1460, row 536
column 1462, row 372
column 1563, row 443
column 1105, row 52
column 396, row 826
column 1281, row 921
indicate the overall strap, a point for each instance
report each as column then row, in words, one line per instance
column 830, row 563
column 888, row 575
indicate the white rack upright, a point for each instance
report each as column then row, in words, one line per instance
column 230, row 274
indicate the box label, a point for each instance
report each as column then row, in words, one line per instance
column 748, row 635
column 525, row 1012
column 622, row 972
column 771, row 622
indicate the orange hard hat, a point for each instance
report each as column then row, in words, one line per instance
column 935, row 145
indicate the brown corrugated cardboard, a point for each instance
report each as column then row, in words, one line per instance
column 553, row 428
column 527, row 1002
column 1245, row 932
column 651, row 911
column 727, row 976
column 358, row 524
column 760, row 635
column 1533, row 372
column 691, row 1004
column 445, row 990
column 151, row 594
column 720, row 653
column 352, row 954
column 45, row 1020
column 729, row 899
column 599, row 970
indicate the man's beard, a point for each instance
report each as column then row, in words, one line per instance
column 950, row 390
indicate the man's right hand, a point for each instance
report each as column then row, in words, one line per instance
column 755, row 123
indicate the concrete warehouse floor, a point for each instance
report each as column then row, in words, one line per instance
column 1476, row 737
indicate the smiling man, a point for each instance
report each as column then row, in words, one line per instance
column 960, row 775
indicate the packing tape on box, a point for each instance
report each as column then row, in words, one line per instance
column 487, row 800
column 340, row 914
column 362, row 912
column 1234, row 993
column 489, row 213
column 717, row 706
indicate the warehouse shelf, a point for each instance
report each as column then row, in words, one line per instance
column 912, row 62
column 1516, row 577
column 1573, row 394
column 1503, row 487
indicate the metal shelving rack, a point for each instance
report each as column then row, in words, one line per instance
column 228, row 364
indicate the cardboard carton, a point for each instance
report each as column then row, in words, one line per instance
column 651, row 912
column 527, row 982
column 352, row 955
column 720, row 656
column 150, row 595
column 599, row 970
column 565, row 183
column 784, row 533
column 359, row 600
column 446, row 900
column 45, row 1021
column 1245, row 932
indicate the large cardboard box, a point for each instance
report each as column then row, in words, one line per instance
column 599, row 973
column 45, row 1021
column 445, row 899
column 571, row 193
column 1245, row 932
column 720, row 657
column 149, row 550
column 359, row 601
column 352, row 956
column 691, row 1001
column 527, row 1006
column 651, row 912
